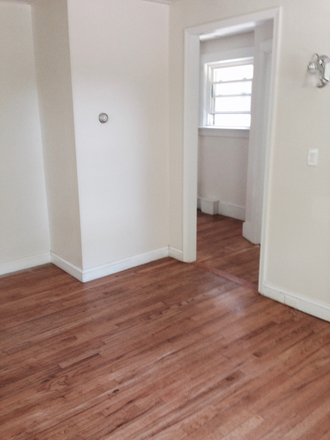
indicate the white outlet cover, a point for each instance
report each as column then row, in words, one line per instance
column 313, row 157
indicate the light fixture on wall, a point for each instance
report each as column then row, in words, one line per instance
column 318, row 71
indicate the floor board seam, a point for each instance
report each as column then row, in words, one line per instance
column 225, row 275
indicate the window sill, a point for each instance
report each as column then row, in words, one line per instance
column 224, row 132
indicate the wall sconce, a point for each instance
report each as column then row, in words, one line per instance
column 318, row 71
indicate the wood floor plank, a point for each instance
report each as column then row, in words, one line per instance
column 167, row 350
column 220, row 245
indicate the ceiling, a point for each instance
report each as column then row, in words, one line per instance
column 20, row 1
column 31, row 1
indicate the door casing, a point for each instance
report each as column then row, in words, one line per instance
column 193, row 36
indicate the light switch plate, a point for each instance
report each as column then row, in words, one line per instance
column 313, row 157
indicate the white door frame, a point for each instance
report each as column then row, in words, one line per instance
column 257, row 141
column 193, row 36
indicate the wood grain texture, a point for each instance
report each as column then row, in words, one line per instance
column 220, row 245
column 166, row 351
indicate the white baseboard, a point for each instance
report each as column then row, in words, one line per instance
column 128, row 263
column 68, row 267
column 249, row 233
column 166, row 2
column 111, row 268
column 231, row 210
column 24, row 263
column 223, row 208
column 175, row 253
column 95, row 272
column 314, row 308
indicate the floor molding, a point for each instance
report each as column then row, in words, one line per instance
column 68, row 267
column 215, row 206
column 111, row 268
column 93, row 273
column 24, row 263
column 175, row 253
column 314, row 308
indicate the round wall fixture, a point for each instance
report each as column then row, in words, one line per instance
column 103, row 117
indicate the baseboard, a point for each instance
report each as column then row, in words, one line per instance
column 111, row 268
column 89, row 274
column 231, row 210
column 249, row 233
column 166, row 2
column 68, row 267
column 128, row 263
column 223, row 208
column 175, row 253
column 24, row 263
column 314, row 308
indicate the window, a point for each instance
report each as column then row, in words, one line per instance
column 228, row 94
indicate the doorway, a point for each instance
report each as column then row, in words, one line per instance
column 222, row 249
column 191, row 105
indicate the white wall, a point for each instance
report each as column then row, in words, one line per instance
column 222, row 160
column 51, row 41
column 23, row 221
column 296, row 234
column 226, row 43
column 119, row 59
column 222, row 172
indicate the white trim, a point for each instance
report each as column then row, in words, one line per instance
column 175, row 253
column 233, row 25
column 111, row 268
column 24, row 263
column 227, row 55
column 128, row 263
column 89, row 274
column 248, row 231
column 190, row 146
column 165, row 2
column 215, row 59
column 231, row 210
column 314, row 308
column 208, row 205
column 224, row 132
column 214, row 206
column 65, row 265
column 258, row 141
column 268, row 153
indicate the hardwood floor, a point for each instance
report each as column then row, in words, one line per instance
column 220, row 245
column 166, row 351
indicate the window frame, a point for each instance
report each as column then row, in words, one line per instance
column 210, row 61
column 211, row 109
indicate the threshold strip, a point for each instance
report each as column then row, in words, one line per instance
column 226, row 275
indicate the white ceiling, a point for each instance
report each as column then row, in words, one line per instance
column 31, row 1
column 19, row 1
